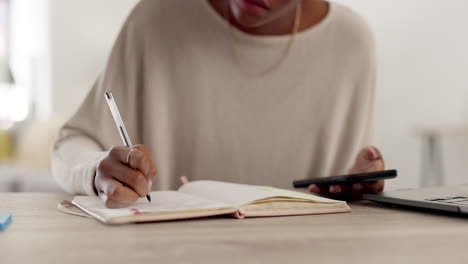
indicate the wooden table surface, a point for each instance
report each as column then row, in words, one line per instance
column 370, row 234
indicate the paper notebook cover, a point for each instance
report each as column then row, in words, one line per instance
column 165, row 206
column 210, row 198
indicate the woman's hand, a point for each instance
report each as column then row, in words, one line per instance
column 124, row 175
column 369, row 159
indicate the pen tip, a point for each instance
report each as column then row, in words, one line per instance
column 148, row 197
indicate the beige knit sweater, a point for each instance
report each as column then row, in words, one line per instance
column 205, row 115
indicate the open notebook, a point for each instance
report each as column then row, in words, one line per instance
column 209, row 198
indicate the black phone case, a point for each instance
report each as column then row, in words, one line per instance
column 348, row 179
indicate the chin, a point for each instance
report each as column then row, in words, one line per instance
column 249, row 22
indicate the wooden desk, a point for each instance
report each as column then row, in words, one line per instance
column 371, row 234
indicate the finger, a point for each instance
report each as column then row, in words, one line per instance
column 357, row 187
column 136, row 159
column 143, row 149
column 380, row 157
column 369, row 159
column 139, row 161
column 367, row 187
column 131, row 157
column 151, row 171
column 376, row 154
column 112, row 168
column 370, row 154
column 120, row 153
column 313, row 188
column 344, row 189
column 318, row 189
column 130, row 177
column 109, row 203
column 334, row 189
column 349, row 192
column 374, row 187
column 340, row 189
column 116, row 191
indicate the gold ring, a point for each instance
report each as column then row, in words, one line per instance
column 129, row 154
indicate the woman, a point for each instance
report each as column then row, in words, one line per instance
column 249, row 91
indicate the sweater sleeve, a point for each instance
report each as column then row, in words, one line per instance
column 87, row 136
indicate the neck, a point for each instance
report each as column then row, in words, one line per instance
column 313, row 11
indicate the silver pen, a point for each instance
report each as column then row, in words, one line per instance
column 120, row 125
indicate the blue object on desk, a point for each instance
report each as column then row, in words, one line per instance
column 5, row 219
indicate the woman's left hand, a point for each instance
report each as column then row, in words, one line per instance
column 369, row 159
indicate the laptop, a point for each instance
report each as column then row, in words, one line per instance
column 452, row 199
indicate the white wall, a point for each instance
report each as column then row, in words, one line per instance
column 82, row 34
column 30, row 56
column 60, row 46
column 423, row 79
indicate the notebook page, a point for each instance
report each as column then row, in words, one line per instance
column 241, row 194
column 162, row 202
column 299, row 195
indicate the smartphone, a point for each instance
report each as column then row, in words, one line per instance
column 347, row 179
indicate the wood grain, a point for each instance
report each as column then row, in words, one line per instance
column 370, row 234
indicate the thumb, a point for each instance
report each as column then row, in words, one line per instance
column 371, row 154
column 374, row 155
column 368, row 159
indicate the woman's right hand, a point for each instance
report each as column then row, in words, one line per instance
column 125, row 175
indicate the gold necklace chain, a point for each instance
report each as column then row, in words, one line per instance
column 242, row 61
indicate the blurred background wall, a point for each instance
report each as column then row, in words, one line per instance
column 422, row 81
column 58, row 47
column 67, row 43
